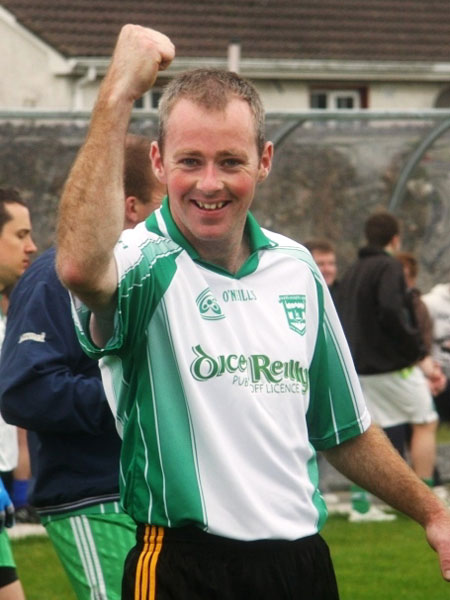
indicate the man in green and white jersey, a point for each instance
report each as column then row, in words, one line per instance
column 222, row 355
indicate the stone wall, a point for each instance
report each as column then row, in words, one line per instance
column 35, row 157
column 326, row 179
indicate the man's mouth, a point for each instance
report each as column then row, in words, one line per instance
column 210, row 205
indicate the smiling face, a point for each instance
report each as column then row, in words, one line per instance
column 211, row 168
column 16, row 245
column 326, row 261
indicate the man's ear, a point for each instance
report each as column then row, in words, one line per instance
column 265, row 163
column 396, row 242
column 131, row 214
column 157, row 162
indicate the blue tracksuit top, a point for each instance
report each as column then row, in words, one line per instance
column 49, row 386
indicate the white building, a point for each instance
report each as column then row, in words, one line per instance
column 301, row 54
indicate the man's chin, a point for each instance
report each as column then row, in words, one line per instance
column 15, row 278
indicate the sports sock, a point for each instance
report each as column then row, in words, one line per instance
column 360, row 498
column 20, row 492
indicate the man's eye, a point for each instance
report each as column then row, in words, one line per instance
column 189, row 162
column 231, row 162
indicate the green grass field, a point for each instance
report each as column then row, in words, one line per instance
column 40, row 571
column 443, row 434
column 373, row 561
column 384, row 561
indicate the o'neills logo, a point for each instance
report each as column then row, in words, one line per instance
column 252, row 369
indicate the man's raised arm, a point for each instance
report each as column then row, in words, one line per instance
column 91, row 213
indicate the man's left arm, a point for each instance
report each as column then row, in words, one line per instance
column 371, row 461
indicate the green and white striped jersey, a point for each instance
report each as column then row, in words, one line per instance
column 225, row 385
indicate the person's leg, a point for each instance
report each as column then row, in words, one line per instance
column 22, row 472
column 378, row 391
column 362, row 508
column 360, row 499
column 442, row 403
column 8, row 478
column 10, row 586
column 21, row 482
column 423, row 449
column 12, row 591
column 92, row 549
column 398, row 436
column 423, row 458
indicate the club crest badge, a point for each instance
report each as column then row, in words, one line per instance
column 208, row 306
column 295, row 310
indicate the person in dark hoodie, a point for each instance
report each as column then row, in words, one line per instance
column 379, row 321
column 49, row 386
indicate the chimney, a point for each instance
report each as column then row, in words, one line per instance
column 234, row 55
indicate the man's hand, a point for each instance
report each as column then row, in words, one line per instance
column 371, row 461
column 85, row 258
column 438, row 535
column 6, row 508
column 437, row 381
column 139, row 54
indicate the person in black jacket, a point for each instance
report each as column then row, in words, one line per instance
column 379, row 321
column 49, row 386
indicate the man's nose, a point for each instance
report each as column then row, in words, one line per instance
column 210, row 180
column 31, row 247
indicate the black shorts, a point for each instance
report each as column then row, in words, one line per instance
column 398, row 436
column 7, row 575
column 188, row 564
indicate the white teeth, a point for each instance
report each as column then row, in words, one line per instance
column 210, row 206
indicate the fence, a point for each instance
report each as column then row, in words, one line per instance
column 330, row 171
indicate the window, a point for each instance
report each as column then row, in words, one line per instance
column 443, row 100
column 149, row 100
column 337, row 99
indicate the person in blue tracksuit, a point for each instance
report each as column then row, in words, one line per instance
column 16, row 249
column 50, row 387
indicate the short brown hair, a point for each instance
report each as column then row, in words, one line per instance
column 139, row 179
column 212, row 89
column 8, row 196
column 320, row 245
column 380, row 228
column 409, row 260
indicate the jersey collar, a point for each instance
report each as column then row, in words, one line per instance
column 257, row 239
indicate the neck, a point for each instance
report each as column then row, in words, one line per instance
column 390, row 248
column 227, row 256
column 3, row 304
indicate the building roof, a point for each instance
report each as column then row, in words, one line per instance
column 378, row 30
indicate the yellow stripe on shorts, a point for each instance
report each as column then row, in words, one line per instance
column 145, row 586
